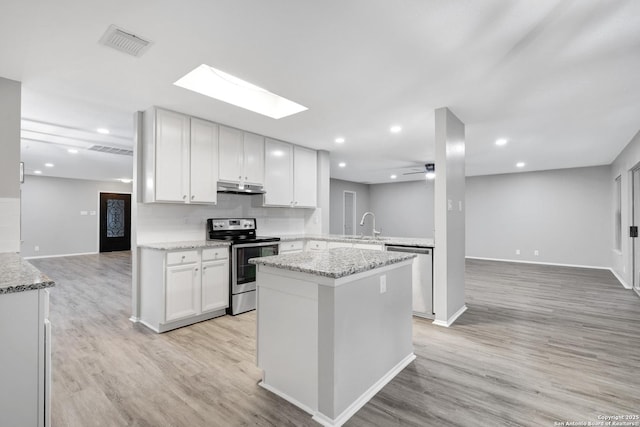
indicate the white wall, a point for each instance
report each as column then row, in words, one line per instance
column 403, row 209
column 10, row 102
column 363, row 204
column 564, row 214
column 628, row 159
column 51, row 216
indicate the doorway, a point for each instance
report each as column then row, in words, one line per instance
column 635, row 221
column 115, row 222
column 349, row 213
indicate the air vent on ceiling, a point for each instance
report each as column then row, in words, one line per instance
column 125, row 41
column 111, row 150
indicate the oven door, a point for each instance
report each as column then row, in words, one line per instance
column 243, row 274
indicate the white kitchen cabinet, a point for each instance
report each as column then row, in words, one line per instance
column 204, row 162
column 291, row 247
column 241, row 156
column 305, row 177
column 171, row 169
column 179, row 157
column 278, row 179
column 178, row 287
column 316, row 245
column 290, row 175
column 25, row 359
column 331, row 245
column 215, row 279
column 182, row 292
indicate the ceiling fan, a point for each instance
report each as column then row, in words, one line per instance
column 429, row 171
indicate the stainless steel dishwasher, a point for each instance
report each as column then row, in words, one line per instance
column 422, row 279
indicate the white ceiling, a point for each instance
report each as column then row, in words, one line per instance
column 558, row 79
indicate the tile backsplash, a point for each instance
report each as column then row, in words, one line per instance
column 175, row 222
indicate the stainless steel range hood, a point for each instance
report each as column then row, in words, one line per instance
column 244, row 189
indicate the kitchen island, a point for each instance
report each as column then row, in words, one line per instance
column 334, row 327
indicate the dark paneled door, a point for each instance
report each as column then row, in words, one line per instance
column 115, row 222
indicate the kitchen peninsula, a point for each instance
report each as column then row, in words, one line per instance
column 321, row 315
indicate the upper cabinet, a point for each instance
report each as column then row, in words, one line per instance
column 290, row 175
column 180, row 158
column 241, row 158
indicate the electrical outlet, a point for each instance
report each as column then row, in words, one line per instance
column 36, row 248
column 84, row 213
column 449, row 205
column 536, row 252
column 383, row 283
column 517, row 251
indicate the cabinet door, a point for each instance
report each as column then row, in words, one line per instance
column 182, row 296
column 215, row 285
column 253, row 158
column 204, row 161
column 305, row 177
column 172, row 156
column 278, row 182
column 231, row 154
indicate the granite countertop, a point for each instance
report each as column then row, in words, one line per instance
column 18, row 275
column 191, row 244
column 381, row 240
column 333, row 263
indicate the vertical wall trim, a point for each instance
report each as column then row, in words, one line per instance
column 324, row 190
column 136, row 187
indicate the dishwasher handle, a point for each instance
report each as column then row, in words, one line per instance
column 411, row 250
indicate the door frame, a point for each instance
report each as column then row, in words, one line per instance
column 344, row 211
column 635, row 243
column 98, row 216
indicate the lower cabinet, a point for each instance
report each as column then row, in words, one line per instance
column 291, row 247
column 178, row 288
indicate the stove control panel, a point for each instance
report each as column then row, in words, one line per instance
column 221, row 224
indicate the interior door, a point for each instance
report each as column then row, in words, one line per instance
column 115, row 222
column 349, row 210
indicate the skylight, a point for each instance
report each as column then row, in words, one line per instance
column 222, row 86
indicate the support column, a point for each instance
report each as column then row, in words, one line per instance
column 449, row 206
column 10, row 112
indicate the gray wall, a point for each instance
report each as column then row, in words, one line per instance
column 628, row 159
column 51, row 214
column 403, row 209
column 363, row 204
column 564, row 214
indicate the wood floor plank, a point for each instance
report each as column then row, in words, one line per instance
column 537, row 344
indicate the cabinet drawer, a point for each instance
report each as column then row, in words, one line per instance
column 291, row 246
column 182, row 257
column 316, row 245
column 211, row 254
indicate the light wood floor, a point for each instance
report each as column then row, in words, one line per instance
column 538, row 344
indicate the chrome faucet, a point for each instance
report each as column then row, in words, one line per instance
column 376, row 233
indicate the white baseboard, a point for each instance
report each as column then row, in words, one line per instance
column 620, row 279
column 451, row 319
column 287, row 398
column 365, row 397
column 59, row 256
column 539, row 262
column 134, row 319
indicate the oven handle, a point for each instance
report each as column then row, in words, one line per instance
column 254, row 245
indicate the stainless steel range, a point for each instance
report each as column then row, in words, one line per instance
column 241, row 232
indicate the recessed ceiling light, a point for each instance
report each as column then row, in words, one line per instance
column 103, row 131
column 430, row 175
column 342, row 164
column 395, row 129
column 126, row 180
column 277, row 153
column 72, row 151
column 520, row 164
column 37, row 172
column 222, row 86
column 49, row 165
column 501, row 141
column 339, row 140
column 393, row 176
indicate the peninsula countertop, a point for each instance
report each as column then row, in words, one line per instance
column 189, row 244
column 333, row 263
column 18, row 275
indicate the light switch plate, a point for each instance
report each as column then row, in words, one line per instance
column 449, row 205
column 383, row 283
column 84, row 213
